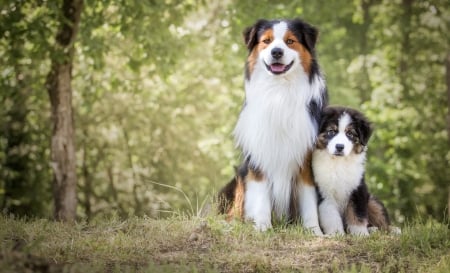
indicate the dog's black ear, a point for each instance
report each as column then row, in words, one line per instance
column 309, row 33
column 365, row 130
column 251, row 34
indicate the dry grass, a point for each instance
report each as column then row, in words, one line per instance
column 212, row 245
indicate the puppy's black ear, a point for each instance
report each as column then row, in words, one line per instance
column 251, row 34
column 325, row 116
column 365, row 130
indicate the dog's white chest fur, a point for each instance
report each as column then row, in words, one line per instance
column 337, row 177
column 276, row 130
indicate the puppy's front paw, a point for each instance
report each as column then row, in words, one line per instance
column 358, row 230
column 316, row 230
column 372, row 229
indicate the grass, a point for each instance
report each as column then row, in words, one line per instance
column 210, row 244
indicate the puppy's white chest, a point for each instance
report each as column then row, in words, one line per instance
column 337, row 177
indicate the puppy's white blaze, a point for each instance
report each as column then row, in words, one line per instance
column 337, row 177
column 341, row 137
column 360, row 230
column 258, row 204
column 330, row 218
column 308, row 208
column 344, row 121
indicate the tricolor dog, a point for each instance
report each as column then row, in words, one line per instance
column 277, row 127
column 338, row 161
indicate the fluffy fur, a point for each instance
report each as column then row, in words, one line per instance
column 338, row 166
column 277, row 127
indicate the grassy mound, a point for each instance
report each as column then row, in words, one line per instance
column 212, row 245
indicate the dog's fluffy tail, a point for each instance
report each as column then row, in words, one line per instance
column 226, row 197
column 378, row 216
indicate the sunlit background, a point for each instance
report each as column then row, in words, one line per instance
column 158, row 86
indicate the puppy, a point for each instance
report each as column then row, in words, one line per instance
column 338, row 167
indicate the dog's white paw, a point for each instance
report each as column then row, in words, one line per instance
column 372, row 229
column 336, row 233
column 315, row 230
column 262, row 225
column 358, row 230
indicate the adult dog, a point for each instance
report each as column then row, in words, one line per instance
column 277, row 127
column 338, row 166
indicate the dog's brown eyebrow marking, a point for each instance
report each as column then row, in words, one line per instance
column 333, row 127
column 303, row 53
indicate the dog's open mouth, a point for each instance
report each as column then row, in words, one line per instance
column 278, row 68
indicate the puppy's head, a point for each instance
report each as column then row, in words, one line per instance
column 343, row 131
column 280, row 46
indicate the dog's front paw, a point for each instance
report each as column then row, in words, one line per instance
column 358, row 230
column 315, row 230
column 373, row 229
column 263, row 225
column 335, row 233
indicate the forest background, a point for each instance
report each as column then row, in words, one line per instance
column 156, row 88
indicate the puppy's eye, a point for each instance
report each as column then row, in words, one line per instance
column 331, row 133
column 289, row 41
column 351, row 134
column 267, row 41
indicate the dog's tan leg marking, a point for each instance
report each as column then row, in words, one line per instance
column 355, row 225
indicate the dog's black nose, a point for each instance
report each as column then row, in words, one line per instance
column 339, row 147
column 277, row 53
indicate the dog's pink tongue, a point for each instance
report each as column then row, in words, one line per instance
column 277, row 67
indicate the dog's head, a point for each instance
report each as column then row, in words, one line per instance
column 280, row 46
column 343, row 131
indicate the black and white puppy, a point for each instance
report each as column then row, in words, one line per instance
column 338, row 167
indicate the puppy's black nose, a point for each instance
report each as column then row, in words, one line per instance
column 339, row 147
column 277, row 53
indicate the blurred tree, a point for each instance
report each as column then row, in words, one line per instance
column 59, row 86
column 447, row 70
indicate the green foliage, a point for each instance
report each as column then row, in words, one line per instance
column 158, row 86
column 24, row 160
column 410, row 146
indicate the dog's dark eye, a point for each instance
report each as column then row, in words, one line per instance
column 331, row 133
column 267, row 41
column 289, row 41
column 351, row 134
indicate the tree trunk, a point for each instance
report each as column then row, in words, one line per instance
column 447, row 67
column 63, row 160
